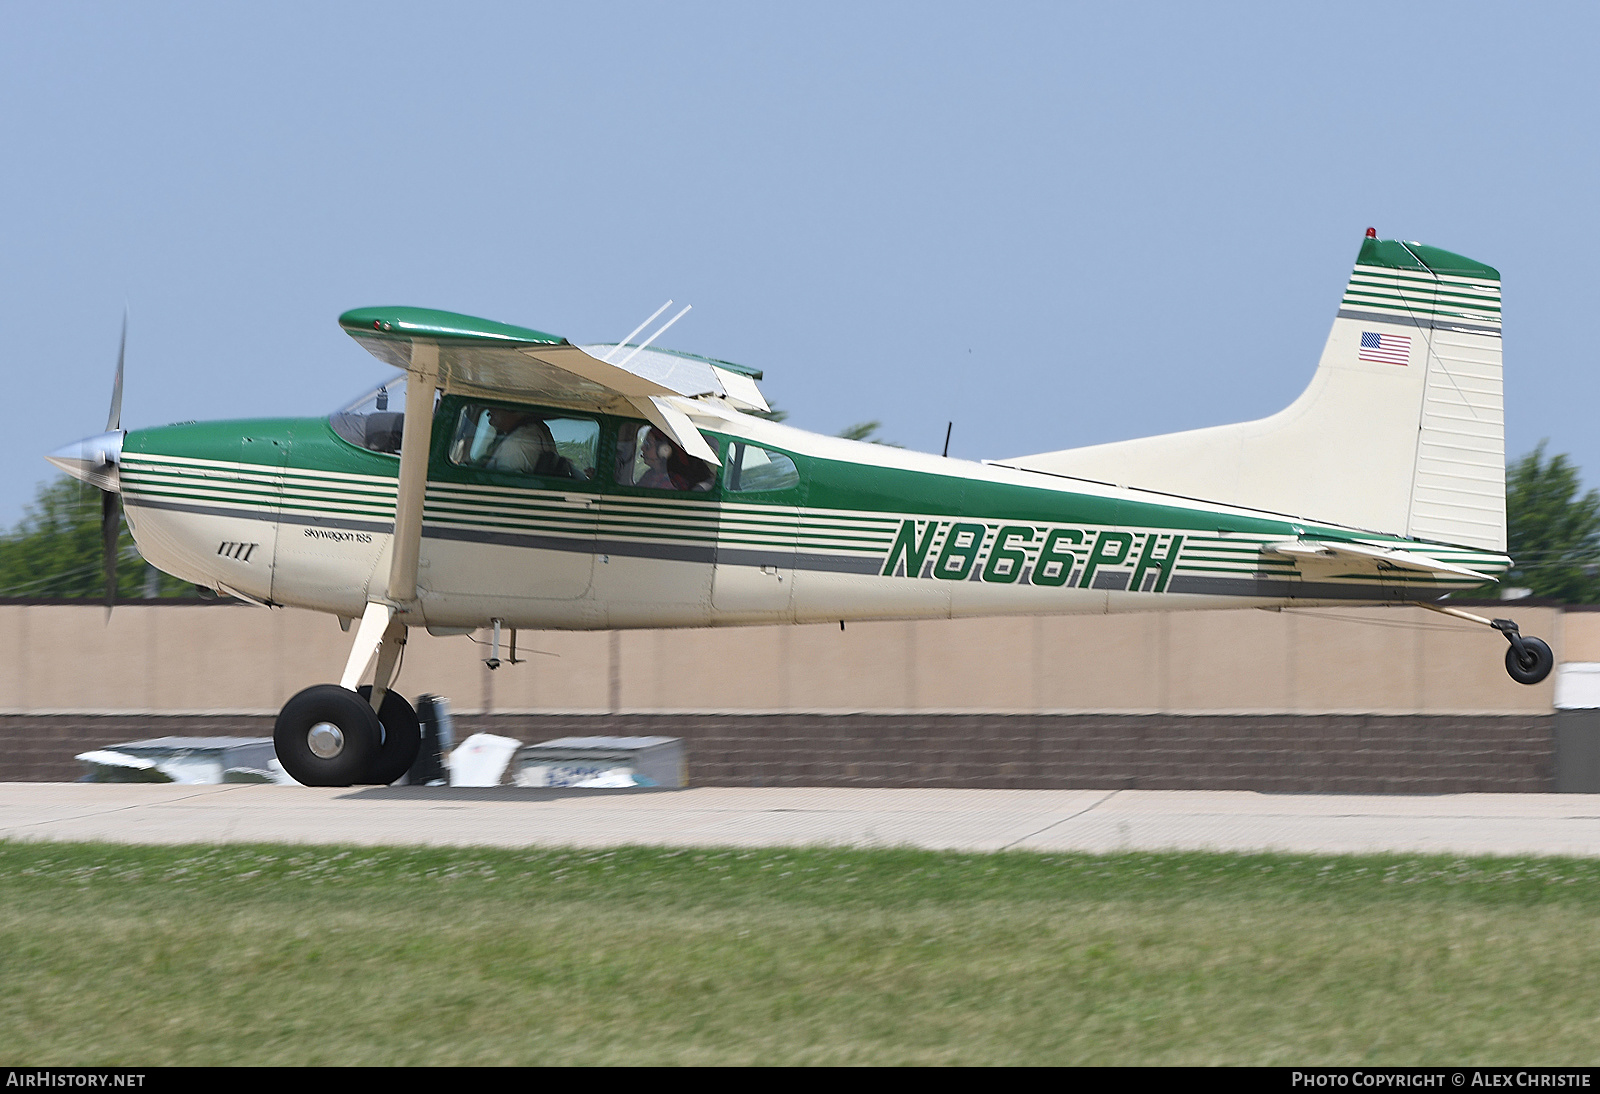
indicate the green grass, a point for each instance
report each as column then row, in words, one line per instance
column 263, row 955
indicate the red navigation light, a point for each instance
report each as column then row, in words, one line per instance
column 1372, row 233
column 377, row 325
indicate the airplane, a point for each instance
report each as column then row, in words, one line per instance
column 507, row 478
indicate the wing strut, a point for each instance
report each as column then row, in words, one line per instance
column 383, row 629
column 415, row 440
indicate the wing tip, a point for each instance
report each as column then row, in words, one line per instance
column 408, row 323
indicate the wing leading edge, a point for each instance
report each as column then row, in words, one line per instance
column 497, row 360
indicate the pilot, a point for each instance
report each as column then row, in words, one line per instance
column 525, row 445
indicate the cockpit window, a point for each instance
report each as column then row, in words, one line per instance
column 525, row 442
column 375, row 420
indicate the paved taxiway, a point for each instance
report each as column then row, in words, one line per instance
column 976, row 820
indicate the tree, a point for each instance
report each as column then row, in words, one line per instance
column 863, row 431
column 54, row 550
column 1552, row 534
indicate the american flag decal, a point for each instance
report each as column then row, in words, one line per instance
column 1386, row 349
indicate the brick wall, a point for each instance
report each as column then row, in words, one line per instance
column 41, row 747
column 1373, row 754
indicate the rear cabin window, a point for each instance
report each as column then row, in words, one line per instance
column 752, row 468
column 648, row 458
column 514, row 441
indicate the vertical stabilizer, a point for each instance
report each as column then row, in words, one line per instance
column 1458, row 492
column 1400, row 431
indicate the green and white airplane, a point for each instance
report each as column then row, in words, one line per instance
column 510, row 479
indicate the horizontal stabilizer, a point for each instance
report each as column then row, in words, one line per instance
column 1375, row 559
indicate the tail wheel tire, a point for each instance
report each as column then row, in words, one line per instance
column 327, row 736
column 402, row 738
column 1534, row 664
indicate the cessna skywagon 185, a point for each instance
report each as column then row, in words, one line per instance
column 511, row 479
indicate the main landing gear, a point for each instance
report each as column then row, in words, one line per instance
column 330, row 736
column 334, row 734
column 1529, row 660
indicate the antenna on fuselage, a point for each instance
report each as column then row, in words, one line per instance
column 659, row 332
column 948, row 426
column 612, row 351
column 493, row 660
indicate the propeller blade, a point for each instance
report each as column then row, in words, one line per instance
column 110, row 529
column 114, row 419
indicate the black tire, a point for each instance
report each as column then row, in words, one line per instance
column 358, row 741
column 402, row 738
column 1534, row 664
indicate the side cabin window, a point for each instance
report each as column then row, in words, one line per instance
column 376, row 420
column 518, row 441
column 648, row 458
column 752, row 468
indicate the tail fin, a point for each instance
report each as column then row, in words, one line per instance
column 1401, row 430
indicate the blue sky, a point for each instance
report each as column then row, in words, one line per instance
column 1055, row 224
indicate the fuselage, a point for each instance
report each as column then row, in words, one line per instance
column 793, row 527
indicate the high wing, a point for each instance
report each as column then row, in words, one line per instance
column 485, row 358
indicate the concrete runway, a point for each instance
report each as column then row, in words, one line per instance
column 974, row 820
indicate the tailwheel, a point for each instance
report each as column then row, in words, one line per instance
column 1532, row 662
column 328, row 736
column 402, row 738
column 1529, row 660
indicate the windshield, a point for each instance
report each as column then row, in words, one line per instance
column 375, row 420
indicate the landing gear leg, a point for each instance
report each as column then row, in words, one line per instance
column 378, row 643
column 367, row 742
column 1529, row 660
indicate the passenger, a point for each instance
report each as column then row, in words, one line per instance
column 656, row 451
column 665, row 465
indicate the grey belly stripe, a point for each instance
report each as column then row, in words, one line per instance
column 384, row 526
column 677, row 552
column 530, row 540
column 801, row 560
column 1306, row 590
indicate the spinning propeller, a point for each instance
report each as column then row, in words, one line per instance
column 98, row 462
column 111, row 500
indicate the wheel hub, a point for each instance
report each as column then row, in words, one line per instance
column 325, row 740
